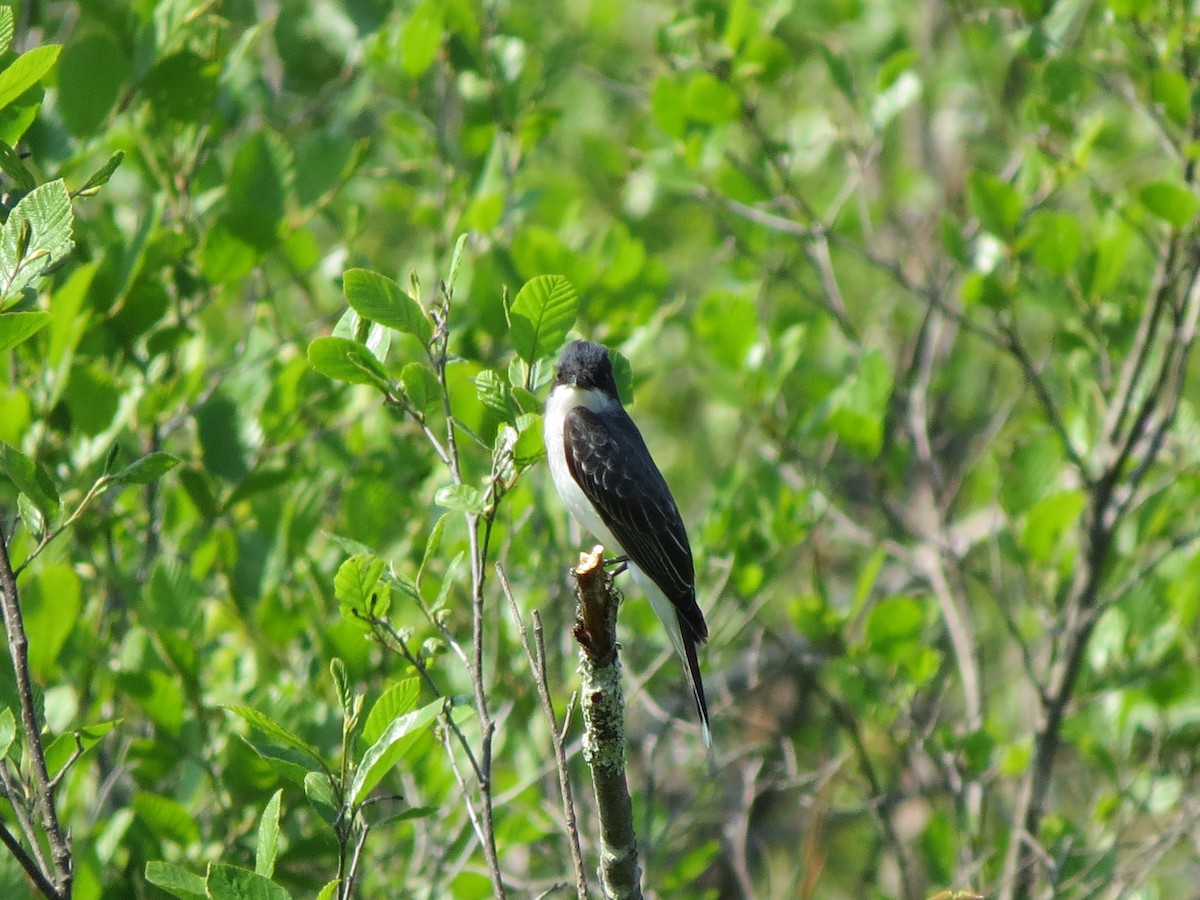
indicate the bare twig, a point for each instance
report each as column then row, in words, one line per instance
column 439, row 354
column 537, row 664
column 604, row 725
column 44, row 885
column 18, row 649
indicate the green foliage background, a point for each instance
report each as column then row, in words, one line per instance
column 908, row 292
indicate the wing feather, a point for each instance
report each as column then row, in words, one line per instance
column 609, row 461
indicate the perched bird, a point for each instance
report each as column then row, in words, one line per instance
column 613, row 489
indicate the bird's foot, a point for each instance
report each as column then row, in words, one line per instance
column 621, row 562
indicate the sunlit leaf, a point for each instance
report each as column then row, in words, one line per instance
column 268, row 727
column 176, row 880
column 227, row 882
column 399, row 699
column 400, row 734
column 30, row 478
column 379, row 299
column 37, row 234
column 1174, row 203
column 26, row 71
column 16, row 327
column 147, row 469
column 542, row 313
column 266, row 847
column 347, row 360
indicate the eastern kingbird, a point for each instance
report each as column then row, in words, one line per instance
column 612, row 488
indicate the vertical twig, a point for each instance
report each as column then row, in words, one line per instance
column 438, row 355
column 18, row 649
column 604, row 725
column 537, row 664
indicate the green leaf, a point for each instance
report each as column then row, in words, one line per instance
column 894, row 623
column 90, row 77
column 26, row 71
column 1172, row 202
column 6, row 28
column 159, row 694
column 16, row 327
column 1056, row 239
column 16, row 118
column 166, row 818
column 727, row 323
column 329, row 891
column 456, row 260
column 496, row 395
column 267, row 847
column 867, row 578
column 422, row 38
column 431, row 546
column 380, row 299
column 895, row 95
column 147, row 469
column 62, row 747
column 30, row 478
column 709, row 100
column 421, row 386
column 542, row 313
column 277, row 733
column 347, row 360
column 287, row 769
column 12, row 164
column 858, row 407
column 223, row 447
column 995, row 203
column 396, row 739
column 227, row 882
column 1108, row 646
column 359, row 589
column 93, row 398
column 51, row 605
column 256, row 193
column 666, row 103
column 8, row 731
column 988, row 290
column 371, row 335
column 176, row 880
column 1170, row 88
column 45, row 216
column 397, row 700
column 460, row 497
column 226, row 258
column 102, row 175
column 1033, row 466
column 530, row 446
column 622, row 375
column 182, row 87
column 1050, row 521
column 319, row 791
column 839, row 72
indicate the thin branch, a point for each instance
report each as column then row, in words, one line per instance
column 18, row 648
column 882, row 804
column 1016, row 347
column 537, row 664
column 604, row 725
column 44, row 885
column 14, row 790
column 439, row 354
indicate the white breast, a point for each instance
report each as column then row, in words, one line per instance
column 562, row 400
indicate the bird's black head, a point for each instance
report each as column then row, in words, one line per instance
column 584, row 364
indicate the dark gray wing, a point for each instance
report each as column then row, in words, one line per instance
column 610, row 462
